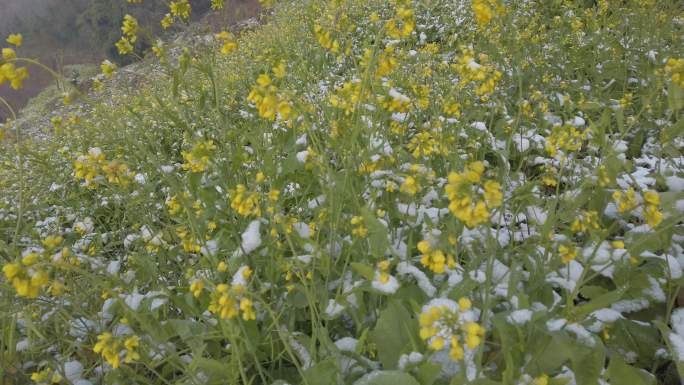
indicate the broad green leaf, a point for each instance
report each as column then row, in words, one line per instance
column 323, row 373
column 591, row 292
column 636, row 144
column 510, row 345
column 387, row 377
column 365, row 270
column 601, row 302
column 665, row 331
column 485, row 381
column 630, row 336
column 213, row 368
column 428, row 372
column 551, row 354
column 394, row 330
column 377, row 234
column 621, row 373
column 586, row 362
column 676, row 97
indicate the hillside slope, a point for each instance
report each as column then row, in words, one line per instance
column 64, row 33
column 362, row 192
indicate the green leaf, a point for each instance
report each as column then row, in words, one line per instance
column 365, row 270
column 636, row 144
column 377, row 234
column 666, row 336
column 510, row 346
column 428, row 372
column 184, row 328
column 600, row 302
column 394, row 330
column 629, row 336
column 213, row 368
column 676, row 97
column 590, row 291
column 485, row 381
column 323, row 373
column 551, row 354
column 621, row 373
column 460, row 380
column 585, row 361
column 387, row 377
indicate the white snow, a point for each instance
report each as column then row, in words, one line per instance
column 405, row 269
column 22, row 345
column 347, row 344
column 568, row 277
column 677, row 321
column 583, row 335
column 73, row 370
column 606, row 315
column 677, row 343
column 302, row 156
column 555, row 324
column 520, row 317
column 655, row 292
column 439, row 302
column 133, row 300
column 334, row 308
column 113, row 267
column 675, row 183
column 409, row 359
column 521, row 143
column 302, row 229
column 251, row 238
column 630, row 305
column 389, row 287
column 239, row 278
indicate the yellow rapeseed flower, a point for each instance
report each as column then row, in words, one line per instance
column 15, row 39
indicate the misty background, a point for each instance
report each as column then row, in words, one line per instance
column 61, row 33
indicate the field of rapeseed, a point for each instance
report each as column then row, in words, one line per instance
column 367, row 192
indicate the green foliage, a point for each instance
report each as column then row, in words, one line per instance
column 362, row 192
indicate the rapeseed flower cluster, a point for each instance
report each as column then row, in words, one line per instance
column 197, row 159
column 130, row 29
column 268, row 102
column 229, row 301
column 486, row 10
column 651, row 210
column 9, row 72
column 675, row 69
column 567, row 253
column 112, row 348
column 403, row 23
column 94, row 168
column 228, row 42
column 360, row 230
column 348, row 96
column 426, row 144
column 46, row 376
column 447, row 324
column 484, row 75
column 108, row 68
column 465, row 201
column 434, row 259
column 32, row 273
column 566, row 138
column 627, row 201
column 245, row 203
column 587, row 221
